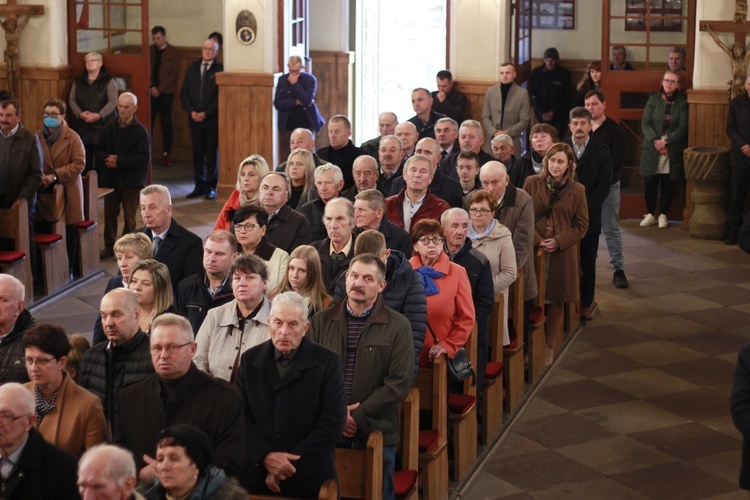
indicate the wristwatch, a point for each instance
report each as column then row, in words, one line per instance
column 54, row 178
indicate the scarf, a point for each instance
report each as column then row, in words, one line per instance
column 474, row 236
column 429, row 275
column 555, row 186
column 245, row 200
column 43, row 406
column 667, row 111
column 51, row 136
column 536, row 161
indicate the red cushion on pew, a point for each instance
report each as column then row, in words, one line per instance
column 427, row 439
column 404, row 480
column 46, row 239
column 536, row 315
column 11, row 257
column 460, row 403
column 494, row 370
column 85, row 224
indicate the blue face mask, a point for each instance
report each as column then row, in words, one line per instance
column 52, row 122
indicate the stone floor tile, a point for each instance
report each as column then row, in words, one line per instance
column 692, row 263
column 724, row 294
column 713, row 343
column 489, row 487
column 646, row 382
column 610, row 335
column 724, row 465
column 686, row 441
column 667, row 328
column 615, row 455
column 684, row 282
column 540, row 408
column 631, row 416
column 561, row 430
column 651, row 269
column 596, row 488
column 657, row 352
column 733, row 274
column 674, row 480
column 540, row 470
column 703, row 371
column 598, row 363
column 562, row 376
column 722, row 318
column 734, row 495
column 580, row 395
column 676, row 303
column 695, row 405
column 723, row 424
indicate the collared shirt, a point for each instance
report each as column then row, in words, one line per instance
column 411, row 208
column 123, row 125
column 208, row 284
column 364, row 313
column 579, row 150
column 344, row 250
column 8, row 464
column 282, row 360
column 162, row 235
column 12, row 132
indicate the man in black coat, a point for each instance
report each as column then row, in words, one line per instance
column 337, row 249
column 200, row 100
column 122, row 154
column 341, row 152
column 294, row 385
column 122, row 359
column 369, row 213
column 329, row 181
column 594, row 171
column 446, row 100
column 738, row 130
column 179, row 393
column 41, row 470
column 442, row 186
column 551, row 91
column 286, row 228
column 14, row 319
column 176, row 247
column 425, row 118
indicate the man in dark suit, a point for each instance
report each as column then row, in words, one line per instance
column 286, row 228
column 341, row 152
column 594, row 171
column 337, row 249
column 551, row 91
column 369, row 213
column 291, row 383
column 470, row 138
column 37, row 469
column 200, row 100
column 425, row 118
column 387, row 121
column 176, row 247
column 442, row 186
column 447, row 100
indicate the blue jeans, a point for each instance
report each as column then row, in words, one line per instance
column 611, row 227
column 389, row 459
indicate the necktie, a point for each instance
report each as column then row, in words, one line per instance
column 204, row 70
column 157, row 244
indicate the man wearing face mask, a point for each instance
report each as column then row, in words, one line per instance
column 64, row 159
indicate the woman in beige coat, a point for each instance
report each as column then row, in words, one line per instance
column 494, row 240
column 64, row 160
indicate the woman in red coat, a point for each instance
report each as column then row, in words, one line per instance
column 252, row 170
column 450, row 309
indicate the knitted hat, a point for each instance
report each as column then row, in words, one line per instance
column 196, row 442
column 551, row 53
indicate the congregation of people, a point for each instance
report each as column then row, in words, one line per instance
column 240, row 362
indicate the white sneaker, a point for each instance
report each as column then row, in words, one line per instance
column 663, row 221
column 648, row 220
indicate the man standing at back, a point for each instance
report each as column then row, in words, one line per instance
column 341, row 151
column 387, row 122
column 425, row 118
column 200, row 100
column 551, row 92
column 506, row 108
column 165, row 70
column 446, row 100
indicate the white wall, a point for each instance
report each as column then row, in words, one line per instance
column 44, row 41
column 711, row 68
column 259, row 56
column 479, row 38
column 329, row 25
column 188, row 22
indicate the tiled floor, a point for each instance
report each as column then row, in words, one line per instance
column 637, row 406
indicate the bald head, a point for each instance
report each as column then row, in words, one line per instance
column 408, row 134
column 120, row 314
column 430, row 148
column 365, row 173
column 494, row 178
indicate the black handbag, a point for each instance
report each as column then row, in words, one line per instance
column 459, row 368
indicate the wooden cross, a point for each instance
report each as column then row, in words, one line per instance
column 11, row 10
column 739, row 56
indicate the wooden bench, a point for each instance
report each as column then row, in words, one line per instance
column 492, row 389
column 328, row 491
column 88, row 230
column 571, row 313
column 462, row 409
column 537, row 320
column 51, row 246
column 406, row 479
column 360, row 472
column 14, row 225
column 513, row 365
column 433, row 445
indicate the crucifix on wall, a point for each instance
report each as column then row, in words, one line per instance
column 12, row 27
column 739, row 56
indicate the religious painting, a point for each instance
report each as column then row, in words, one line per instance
column 553, row 14
column 663, row 15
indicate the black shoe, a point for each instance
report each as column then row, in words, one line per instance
column 619, row 279
column 210, row 193
column 731, row 240
column 195, row 193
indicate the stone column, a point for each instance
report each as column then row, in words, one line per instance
column 707, row 169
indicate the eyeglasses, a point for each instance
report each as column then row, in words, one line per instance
column 52, row 115
column 436, row 240
column 480, row 211
column 673, row 82
column 245, row 227
column 38, row 361
column 7, row 418
column 170, row 349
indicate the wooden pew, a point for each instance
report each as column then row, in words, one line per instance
column 537, row 320
column 513, row 366
column 433, row 445
column 406, row 479
column 14, row 225
column 492, row 390
column 361, row 471
column 572, row 313
column 328, row 491
column 51, row 246
column 88, row 230
column 462, row 409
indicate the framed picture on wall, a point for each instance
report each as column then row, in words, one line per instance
column 664, row 15
column 553, row 14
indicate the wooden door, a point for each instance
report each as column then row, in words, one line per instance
column 647, row 31
column 522, row 40
column 119, row 30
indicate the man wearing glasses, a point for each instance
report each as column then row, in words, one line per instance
column 178, row 393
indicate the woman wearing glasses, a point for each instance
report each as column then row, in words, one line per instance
column 665, row 128
column 66, row 414
column 250, row 223
column 235, row 327
column 64, row 160
column 496, row 243
column 450, row 309
column 150, row 282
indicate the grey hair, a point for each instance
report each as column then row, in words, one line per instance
column 473, row 123
column 163, row 192
column 292, row 299
column 416, row 158
column 502, row 138
column 119, row 461
column 392, row 137
column 454, row 123
column 450, row 213
column 20, row 289
column 338, row 176
column 373, row 197
column 169, row 319
column 348, row 204
column 284, row 176
column 493, row 165
column 21, row 396
column 131, row 96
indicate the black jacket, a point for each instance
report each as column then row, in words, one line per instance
column 330, row 278
column 99, row 336
column 594, row 171
column 106, row 369
column 551, row 91
column 132, row 146
column 181, row 251
column 522, row 169
column 302, row 413
column 426, row 129
column 342, row 158
column 92, row 97
column 207, row 102
column 43, row 471
column 404, row 293
column 395, row 237
column 454, row 105
column 22, row 175
column 612, row 135
column 313, row 212
column 482, row 289
column 12, row 365
column 442, row 186
column 288, row 229
column 738, row 128
column 194, row 300
column 740, row 409
column 448, row 164
column 201, row 400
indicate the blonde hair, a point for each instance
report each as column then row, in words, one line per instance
column 138, row 243
column 313, row 290
column 260, row 164
column 163, row 296
column 309, row 169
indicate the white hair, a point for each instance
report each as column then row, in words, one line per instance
column 163, row 192
column 131, row 96
column 292, row 299
column 338, row 176
column 20, row 395
column 448, row 214
column 20, row 289
column 119, row 461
